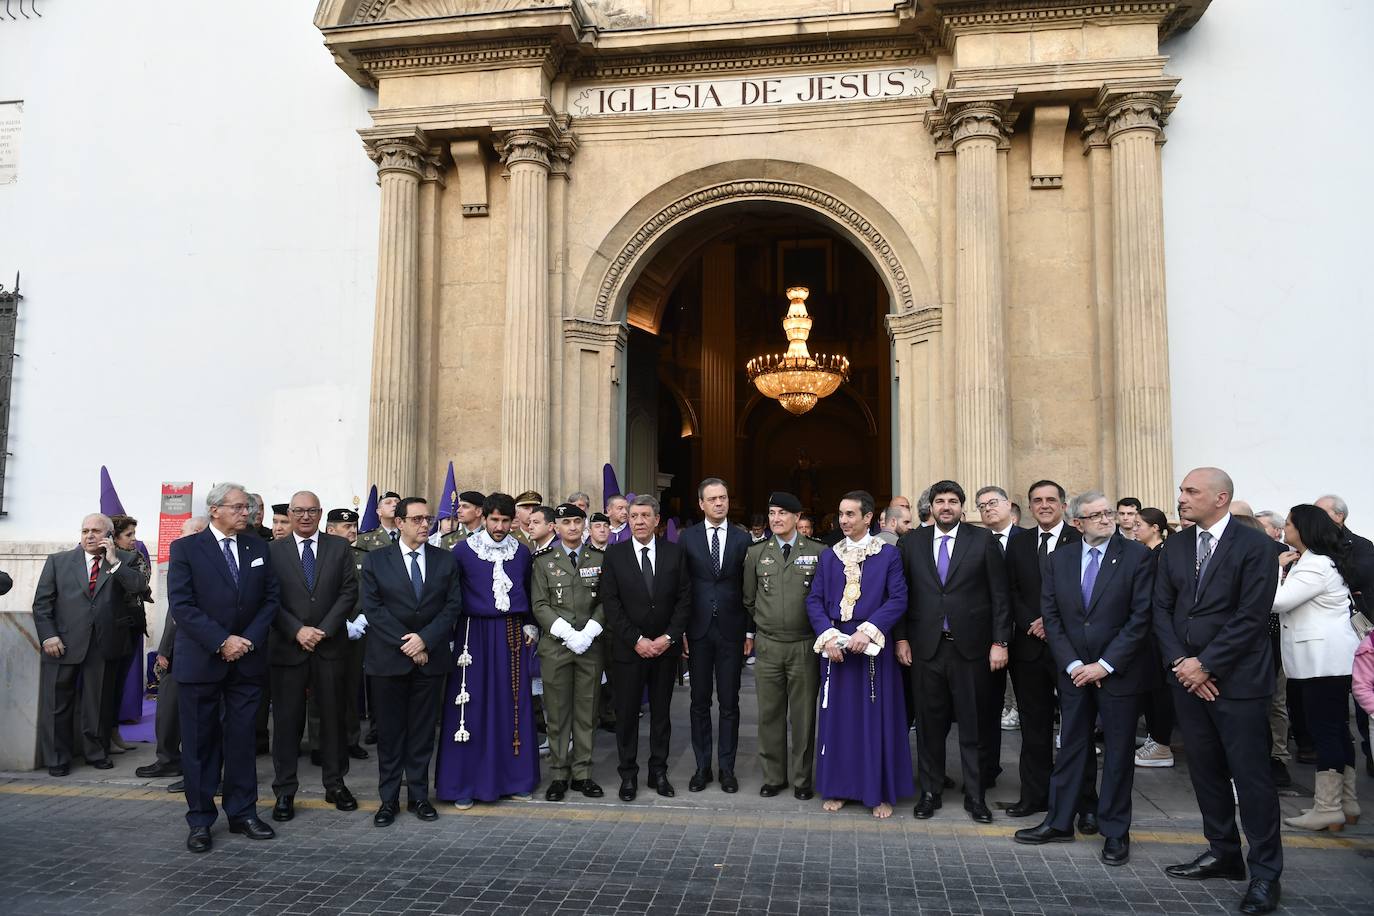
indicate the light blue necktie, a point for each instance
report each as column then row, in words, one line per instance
column 415, row 579
column 308, row 563
column 1090, row 576
column 231, row 560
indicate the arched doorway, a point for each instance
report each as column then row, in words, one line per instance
column 700, row 309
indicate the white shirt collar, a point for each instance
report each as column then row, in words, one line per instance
column 220, row 535
column 300, row 540
column 951, row 533
column 1216, row 529
column 861, row 542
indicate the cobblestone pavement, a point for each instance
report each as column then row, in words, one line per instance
column 106, row 842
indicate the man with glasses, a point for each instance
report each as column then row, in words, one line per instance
column 309, row 651
column 222, row 591
column 411, row 598
column 999, row 711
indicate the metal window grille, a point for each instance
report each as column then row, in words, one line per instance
column 9, row 319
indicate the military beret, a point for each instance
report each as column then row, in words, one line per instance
column 281, row 508
column 391, row 494
column 569, row 510
column 529, row 498
column 341, row 515
column 472, row 497
column 785, row 501
column 599, row 517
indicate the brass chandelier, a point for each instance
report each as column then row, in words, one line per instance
column 796, row 379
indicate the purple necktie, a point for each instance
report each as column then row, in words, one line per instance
column 231, row 560
column 1090, row 576
column 942, row 567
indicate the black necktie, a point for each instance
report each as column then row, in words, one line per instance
column 786, row 552
column 1045, row 544
column 573, row 556
column 648, row 570
column 715, row 551
column 394, row 534
column 1002, row 541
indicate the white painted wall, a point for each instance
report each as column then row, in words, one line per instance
column 1268, row 202
column 195, row 220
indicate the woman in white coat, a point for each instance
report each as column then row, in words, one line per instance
column 1318, row 648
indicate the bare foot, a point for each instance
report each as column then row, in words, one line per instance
column 834, row 804
column 883, row 810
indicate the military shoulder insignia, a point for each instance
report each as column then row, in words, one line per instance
column 543, row 550
column 592, row 547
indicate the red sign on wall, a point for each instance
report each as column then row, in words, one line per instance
column 176, row 509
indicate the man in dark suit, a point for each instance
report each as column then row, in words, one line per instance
column 1361, row 565
column 1214, row 589
column 1096, row 612
column 1034, row 674
column 79, row 594
column 994, row 508
column 646, row 593
column 223, row 593
column 310, row 650
column 411, row 597
column 719, row 635
column 957, row 625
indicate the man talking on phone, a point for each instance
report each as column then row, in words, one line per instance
column 74, row 606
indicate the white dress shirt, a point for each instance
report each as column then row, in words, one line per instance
column 314, row 546
column 724, row 528
column 951, row 534
column 1056, row 535
column 653, row 553
column 1003, row 537
column 405, row 557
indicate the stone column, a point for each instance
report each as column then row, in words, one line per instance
column 525, row 385
column 919, row 425
column 393, row 424
column 718, row 361
column 982, row 432
column 1144, row 424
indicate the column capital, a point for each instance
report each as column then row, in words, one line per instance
column 406, row 151
column 1125, row 105
column 526, row 144
column 596, row 334
column 914, row 324
column 961, row 115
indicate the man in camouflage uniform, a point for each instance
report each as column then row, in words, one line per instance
column 469, row 516
column 525, row 503
column 388, row 533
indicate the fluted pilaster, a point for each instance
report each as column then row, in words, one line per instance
column 393, row 419
column 1144, row 425
column 525, row 388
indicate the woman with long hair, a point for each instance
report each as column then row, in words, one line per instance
column 131, row 625
column 1151, row 528
column 1318, row 648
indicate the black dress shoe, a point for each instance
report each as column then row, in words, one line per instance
column 252, row 828
column 61, row 770
column 698, row 781
column 357, row 752
column 104, row 763
column 927, row 805
column 386, row 814
column 157, row 770
column 1209, row 866
column 1044, row 833
column 628, row 790
column 557, row 790
column 947, row 783
column 341, row 798
column 1025, row 809
column 199, row 839
column 284, row 809
column 178, row 786
column 587, row 787
column 423, row 810
column 1116, row 851
column 1261, row 897
column 767, row 790
column 804, row 793
column 977, row 810
column 728, row 782
column 1087, row 823
column 664, row 787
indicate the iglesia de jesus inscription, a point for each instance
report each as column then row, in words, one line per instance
column 752, row 92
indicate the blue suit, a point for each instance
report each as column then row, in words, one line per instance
column 218, row 700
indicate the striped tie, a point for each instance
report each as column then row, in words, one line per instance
column 95, row 573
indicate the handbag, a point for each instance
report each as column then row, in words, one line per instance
column 1359, row 621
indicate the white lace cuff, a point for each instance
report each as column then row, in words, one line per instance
column 824, row 638
column 874, row 634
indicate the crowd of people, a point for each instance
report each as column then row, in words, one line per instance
column 1243, row 629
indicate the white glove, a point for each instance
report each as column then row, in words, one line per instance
column 561, row 629
column 578, row 642
column 592, row 630
column 530, row 630
column 356, row 627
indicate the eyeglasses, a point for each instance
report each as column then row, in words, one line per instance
column 418, row 519
column 234, row 507
column 988, row 503
column 1105, row 515
column 305, row 513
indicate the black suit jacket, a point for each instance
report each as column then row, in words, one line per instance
column 1361, row 569
column 1024, row 580
column 326, row 606
column 717, row 595
column 631, row 612
column 392, row 610
column 1224, row 619
column 974, row 596
column 1114, row 625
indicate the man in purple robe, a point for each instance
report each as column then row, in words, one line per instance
column 488, row 749
column 861, row 737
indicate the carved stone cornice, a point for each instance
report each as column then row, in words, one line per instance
column 971, row 17
column 457, row 58
column 841, row 53
column 914, row 324
column 599, row 335
column 408, row 152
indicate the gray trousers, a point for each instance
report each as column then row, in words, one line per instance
column 57, row 703
column 167, row 723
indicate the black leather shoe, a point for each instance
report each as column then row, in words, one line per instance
column 557, row 790
column 767, row 790
column 587, row 787
column 284, row 809
column 927, row 805
column 1116, row 851
column 947, row 783
column 199, row 839
column 728, row 782
column 1208, row 866
column 62, row 770
column 158, row 770
column 977, row 810
column 664, row 787
column 804, row 793
column 698, row 781
column 1261, row 897
column 1025, row 809
column 341, row 798
column 252, row 828
column 104, row 763
column 1087, row 823
column 628, row 790
column 1039, row 836
column 386, row 814
column 178, row 786
column 423, row 810
column 357, row 752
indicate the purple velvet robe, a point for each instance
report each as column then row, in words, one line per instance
column 488, row 765
column 862, row 750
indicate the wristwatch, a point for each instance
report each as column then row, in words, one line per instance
column 1001, row 643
